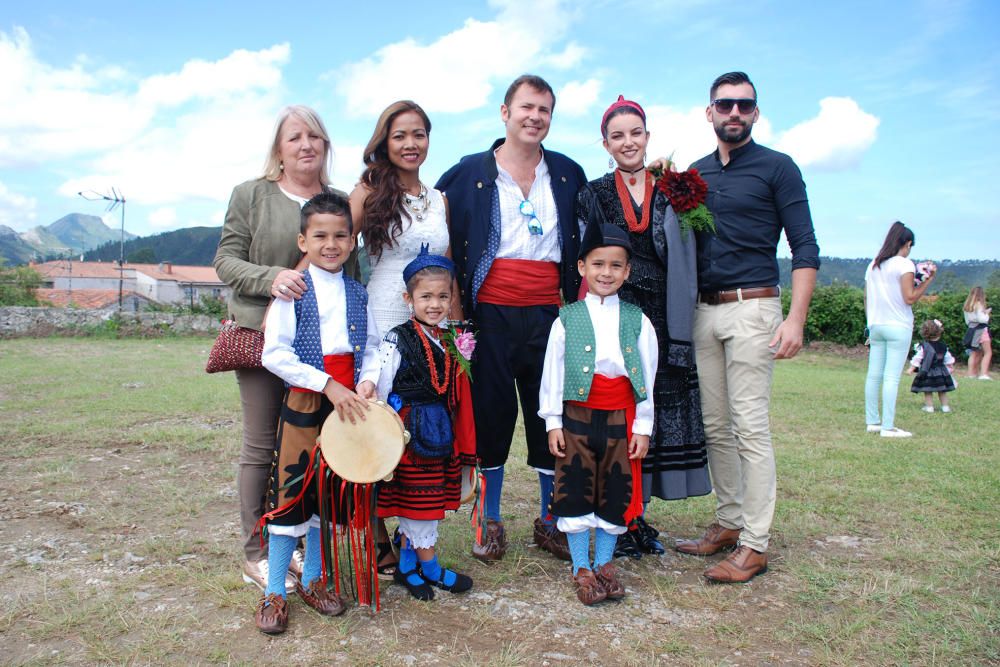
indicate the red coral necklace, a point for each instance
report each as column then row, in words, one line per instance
column 439, row 387
column 637, row 226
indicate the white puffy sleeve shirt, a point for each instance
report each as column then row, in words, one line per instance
column 279, row 331
column 608, row 361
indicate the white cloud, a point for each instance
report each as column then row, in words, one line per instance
column 348, row 163
column 460, row 70
column 576, row 98
column 835, row 139
column 17, row 210
column 163, row 218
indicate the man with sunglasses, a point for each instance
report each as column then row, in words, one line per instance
column 514, row 241
column 753, row 193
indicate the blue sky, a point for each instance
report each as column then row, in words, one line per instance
column 886, row 106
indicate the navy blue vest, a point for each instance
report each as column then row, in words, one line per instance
column 307, row 342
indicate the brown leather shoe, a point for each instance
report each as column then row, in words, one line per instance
column 715, row 539
column 607, row 576
column 552, row 539
column 740, row 566
column 494, row 544
column 320, row 598
column 272, row 614
column 588, row 589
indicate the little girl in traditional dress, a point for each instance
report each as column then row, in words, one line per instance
column 933, row 366
column 423, row 379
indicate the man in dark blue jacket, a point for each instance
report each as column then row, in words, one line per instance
column 514, row 239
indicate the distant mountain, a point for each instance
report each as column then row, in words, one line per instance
column 952, row 275
column 69, row 235
column 192, row 246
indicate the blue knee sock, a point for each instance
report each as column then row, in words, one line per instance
column 407, row 558
column 579, row 549
column 545, row 485
column 312, row 568
column 494, row 484
column 604, row 547
column 432, row 572
column 279, row 557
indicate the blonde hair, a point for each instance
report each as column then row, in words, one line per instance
column 272, row 165
column 976, row 298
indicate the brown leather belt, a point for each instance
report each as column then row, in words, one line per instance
column 740, row 294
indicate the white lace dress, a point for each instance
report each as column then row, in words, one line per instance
column 386, row 287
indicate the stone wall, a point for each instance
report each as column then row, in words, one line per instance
column 21, row 321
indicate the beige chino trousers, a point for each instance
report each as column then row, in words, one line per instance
column 735, row 367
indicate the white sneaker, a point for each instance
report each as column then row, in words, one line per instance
column 874, row 428
column 945, row 408
column 894, row 433
column 930, row 408
column 985, row 377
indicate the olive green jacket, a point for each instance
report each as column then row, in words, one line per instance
column 259, row 240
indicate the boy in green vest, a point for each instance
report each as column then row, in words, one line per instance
column 598, row 411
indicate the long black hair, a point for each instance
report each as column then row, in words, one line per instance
column 898, row 236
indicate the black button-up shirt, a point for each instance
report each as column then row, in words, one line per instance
column 755, row 196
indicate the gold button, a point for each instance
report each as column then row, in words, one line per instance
column 635, row 370
column 642, row 390
column 357, row 348
column 586, row 369
column 628, row 350
column 580, row 391
column 479, row 184
column 586, row 348
column 352, row 327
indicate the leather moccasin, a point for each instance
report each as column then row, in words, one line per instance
column 320, row 598
column 715, row 539
column 494, row 544
column 739, row 567
column 551, row 539
column 607, row 577
column 588, row 589
column 272, row 614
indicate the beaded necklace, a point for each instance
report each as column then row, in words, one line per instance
column 637, row 226
column 439, row 387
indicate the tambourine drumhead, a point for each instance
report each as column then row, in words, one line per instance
column 367, row 451
column 469, row 484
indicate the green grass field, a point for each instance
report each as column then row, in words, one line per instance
column 120, row 537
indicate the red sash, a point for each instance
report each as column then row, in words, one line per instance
column 521, row 282
column 338, row 366
column 616, row 394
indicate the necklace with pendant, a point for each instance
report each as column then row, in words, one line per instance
column 419, row 204
column 632, row 180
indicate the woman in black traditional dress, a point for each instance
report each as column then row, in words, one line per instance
column 663, row 283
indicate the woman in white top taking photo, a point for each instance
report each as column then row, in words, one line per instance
column 890, row 292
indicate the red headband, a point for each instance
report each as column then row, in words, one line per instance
column 620, row 103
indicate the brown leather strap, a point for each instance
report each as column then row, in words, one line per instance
column 729, row 296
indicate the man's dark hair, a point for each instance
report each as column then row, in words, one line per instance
column 732, row 79
column 326, row 202
column 533, row 80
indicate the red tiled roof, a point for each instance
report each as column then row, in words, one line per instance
column 82, row 298
column 62, row 268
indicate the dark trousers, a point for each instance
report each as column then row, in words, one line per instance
column 509, row 356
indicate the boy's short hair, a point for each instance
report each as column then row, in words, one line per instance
column 326, row 202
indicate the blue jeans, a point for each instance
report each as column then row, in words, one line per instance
column 889, row 347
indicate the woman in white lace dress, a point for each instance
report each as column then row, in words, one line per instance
column 397, row 214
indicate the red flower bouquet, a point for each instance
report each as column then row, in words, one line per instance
column 686, row 191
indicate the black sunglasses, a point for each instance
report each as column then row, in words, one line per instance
column 726, row 104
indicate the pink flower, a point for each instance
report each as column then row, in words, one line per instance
column 465, row 343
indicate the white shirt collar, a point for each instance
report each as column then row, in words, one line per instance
column 607, row 301
column 324, row 276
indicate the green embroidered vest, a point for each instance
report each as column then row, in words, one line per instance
column 581, row 349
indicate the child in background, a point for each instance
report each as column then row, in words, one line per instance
column 977, row 340
column 423, row 380
column 933, row 366
column 322, row 345
column 596, row 400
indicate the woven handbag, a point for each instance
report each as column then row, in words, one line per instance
column 236, row 347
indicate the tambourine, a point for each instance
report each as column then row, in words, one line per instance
column 368, row 450
column 470, row 484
